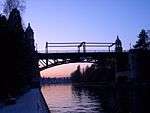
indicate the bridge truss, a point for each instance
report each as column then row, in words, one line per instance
column 50, row 59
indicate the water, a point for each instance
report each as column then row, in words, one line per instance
column 96, row 99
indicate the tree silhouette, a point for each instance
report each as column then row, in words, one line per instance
column 99, row 72
column 4, row 40
column 19, row 54
column 141, row 43
column 76, row 75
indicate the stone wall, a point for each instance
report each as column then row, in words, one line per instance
column 139, row 65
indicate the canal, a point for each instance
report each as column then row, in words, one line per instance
column 96, row 99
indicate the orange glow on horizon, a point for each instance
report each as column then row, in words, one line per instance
column 63, row 70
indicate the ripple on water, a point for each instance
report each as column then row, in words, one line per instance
column 65, row 99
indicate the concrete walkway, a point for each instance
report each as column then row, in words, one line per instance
column 30, row 102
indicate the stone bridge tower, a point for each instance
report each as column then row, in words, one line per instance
column 35, row 73
column 118, row 45
column 30, row 36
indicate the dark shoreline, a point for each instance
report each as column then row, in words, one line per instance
column 106, row 84
column 44, row 101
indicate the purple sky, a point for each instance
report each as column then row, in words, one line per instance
column 87, row 20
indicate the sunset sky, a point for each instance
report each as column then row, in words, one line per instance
column 63, row 70
column 86, row 20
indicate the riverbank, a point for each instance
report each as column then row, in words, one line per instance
column 31, row 102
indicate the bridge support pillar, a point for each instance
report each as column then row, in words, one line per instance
column 121, row 70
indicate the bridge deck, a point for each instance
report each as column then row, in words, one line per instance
column 78, row 55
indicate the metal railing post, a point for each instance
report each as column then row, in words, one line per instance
column 84, row 47
column 109, row 48
column 46, row 50
column 46, row 47
column 78, row 49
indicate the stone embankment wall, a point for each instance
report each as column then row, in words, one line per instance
column 139, row 65
column 122, row 67
column 43, row 105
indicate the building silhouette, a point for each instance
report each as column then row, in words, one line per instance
column 118, row 45
column 29, row 34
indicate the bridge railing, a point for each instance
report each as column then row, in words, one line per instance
column 75, row 51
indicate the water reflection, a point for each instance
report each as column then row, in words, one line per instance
column 96, row 99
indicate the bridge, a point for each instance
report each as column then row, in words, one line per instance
column 81, row 53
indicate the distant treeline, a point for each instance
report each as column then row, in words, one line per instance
column 99, row 72
column 61, row 80
column 18, row 61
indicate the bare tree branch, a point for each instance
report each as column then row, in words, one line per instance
column 11, row 4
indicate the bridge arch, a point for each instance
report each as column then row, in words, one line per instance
column 64, row 70
column 50, row 59
column 58, row 64
column 55, row 59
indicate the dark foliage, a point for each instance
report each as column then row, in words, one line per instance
column 141, row 43
column 139, row 57
column 101, row 72
column 76, row 76
column 19, row 55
